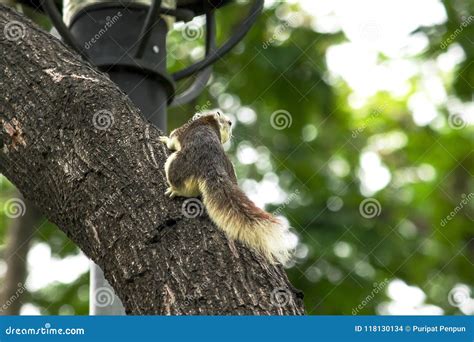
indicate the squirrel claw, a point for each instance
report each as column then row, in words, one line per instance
column 170, row 192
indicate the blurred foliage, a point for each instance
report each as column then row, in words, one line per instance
column 342, row 256
column 56, row 298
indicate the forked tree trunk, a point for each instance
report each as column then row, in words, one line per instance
column 75, row 145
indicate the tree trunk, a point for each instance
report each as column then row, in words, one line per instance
column 75, row 145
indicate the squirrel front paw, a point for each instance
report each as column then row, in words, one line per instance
column 171, row 143
column 171, row 192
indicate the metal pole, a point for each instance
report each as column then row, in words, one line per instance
column 102, row 298
column 150, row 92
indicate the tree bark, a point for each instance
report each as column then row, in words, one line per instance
column 75, row 145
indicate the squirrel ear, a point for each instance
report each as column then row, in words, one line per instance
column 196, row 116
column 217, row 116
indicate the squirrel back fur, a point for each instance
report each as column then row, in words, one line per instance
column 199, row 166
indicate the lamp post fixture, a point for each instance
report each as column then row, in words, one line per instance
column 127, row 40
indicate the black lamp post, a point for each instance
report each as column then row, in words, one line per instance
column 132, row 50
column 127, row 40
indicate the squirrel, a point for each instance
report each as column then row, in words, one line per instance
column 200, row 166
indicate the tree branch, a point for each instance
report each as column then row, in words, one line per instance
column 75, row 145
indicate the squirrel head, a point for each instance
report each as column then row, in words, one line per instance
column 224, row 123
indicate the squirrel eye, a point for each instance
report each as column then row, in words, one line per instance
column 229, row 122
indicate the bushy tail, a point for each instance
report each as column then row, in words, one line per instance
column 234, row 213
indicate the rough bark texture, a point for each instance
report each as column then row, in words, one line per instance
column 105, row 187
